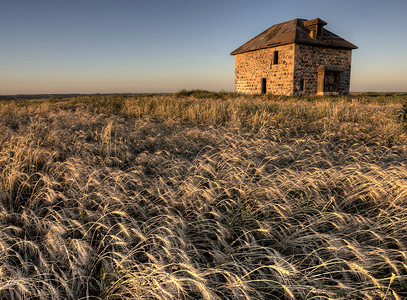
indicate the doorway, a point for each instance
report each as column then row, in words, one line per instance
column 331, row 84
column 263, row 86
column 328, row 80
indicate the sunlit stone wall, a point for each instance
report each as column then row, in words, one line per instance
column 251, row 67
column 295, row 63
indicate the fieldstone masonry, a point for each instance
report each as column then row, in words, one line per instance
column 297, row 57
column 251, row 67
column 307, row 61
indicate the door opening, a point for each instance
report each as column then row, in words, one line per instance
column 331, row 82
column 328, row 80
column 263, row 86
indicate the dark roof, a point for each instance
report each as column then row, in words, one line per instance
column 293, row 31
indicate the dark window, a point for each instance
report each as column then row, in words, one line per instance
column 301, row 84
column 263, row 86
column 275, row 58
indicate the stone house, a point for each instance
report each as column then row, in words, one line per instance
column 296, row 57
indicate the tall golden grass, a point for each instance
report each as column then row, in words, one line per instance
column 176, row 197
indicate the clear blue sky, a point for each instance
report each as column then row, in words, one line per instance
column 90, row 46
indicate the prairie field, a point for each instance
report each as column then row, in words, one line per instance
column 200, row 195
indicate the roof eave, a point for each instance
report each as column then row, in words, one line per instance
column 350, row 47
column 234, row 52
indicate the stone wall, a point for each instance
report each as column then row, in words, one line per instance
column 309, row 58
column 251, row 67
column 296, row 63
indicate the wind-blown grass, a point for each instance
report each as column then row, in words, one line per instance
column 170, row 197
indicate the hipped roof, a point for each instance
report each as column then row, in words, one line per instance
column 293, row 31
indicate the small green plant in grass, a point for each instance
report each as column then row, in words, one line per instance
column 296, row 193
column 55, row 99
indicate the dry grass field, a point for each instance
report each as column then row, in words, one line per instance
column 204, row 196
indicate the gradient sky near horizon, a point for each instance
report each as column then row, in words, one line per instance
column 109, row 46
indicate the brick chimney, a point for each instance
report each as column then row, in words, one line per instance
column 316, row 27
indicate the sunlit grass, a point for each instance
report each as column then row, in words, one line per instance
column 187, row 197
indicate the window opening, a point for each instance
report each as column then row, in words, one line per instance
column 275, row 58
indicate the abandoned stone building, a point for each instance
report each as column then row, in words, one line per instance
column 296, row 57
